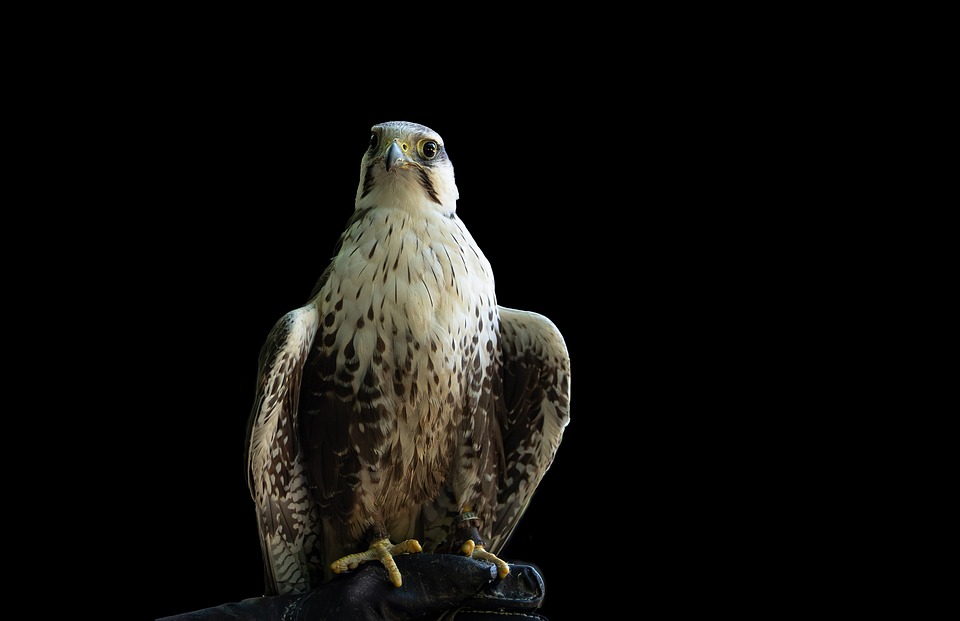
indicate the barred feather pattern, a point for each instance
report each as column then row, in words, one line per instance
column 287, row 519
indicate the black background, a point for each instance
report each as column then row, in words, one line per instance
column 240, row 197
column 202, row 201
column 653, row 201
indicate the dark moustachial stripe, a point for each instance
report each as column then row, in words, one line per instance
column 367, row 181
column 428, row 186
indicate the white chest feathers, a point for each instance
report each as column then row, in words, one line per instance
column 410, row 299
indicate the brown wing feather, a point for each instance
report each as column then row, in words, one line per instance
column 533, row 411
column 274, row 467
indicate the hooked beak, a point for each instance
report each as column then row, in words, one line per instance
column 394, row 155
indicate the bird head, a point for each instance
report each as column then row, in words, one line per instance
column 405, row 164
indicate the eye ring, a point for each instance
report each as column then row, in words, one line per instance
column 374, row 141
column 428, row 149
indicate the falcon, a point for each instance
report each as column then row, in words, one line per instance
column 401, row 409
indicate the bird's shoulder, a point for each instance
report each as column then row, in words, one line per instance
column 531, row 332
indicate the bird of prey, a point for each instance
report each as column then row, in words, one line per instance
column 401, row 409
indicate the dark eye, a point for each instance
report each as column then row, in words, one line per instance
column 374, row 141
column 429, row 149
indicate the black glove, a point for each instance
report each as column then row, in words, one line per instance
column 436, row 587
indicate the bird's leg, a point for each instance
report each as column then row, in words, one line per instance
column 468, row 542
column 381, row 549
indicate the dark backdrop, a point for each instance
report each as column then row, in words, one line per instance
column 187, row 198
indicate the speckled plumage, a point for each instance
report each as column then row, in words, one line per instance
column 401, row 395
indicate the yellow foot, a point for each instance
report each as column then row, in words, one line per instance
column 382, row 551
column 474, row 551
